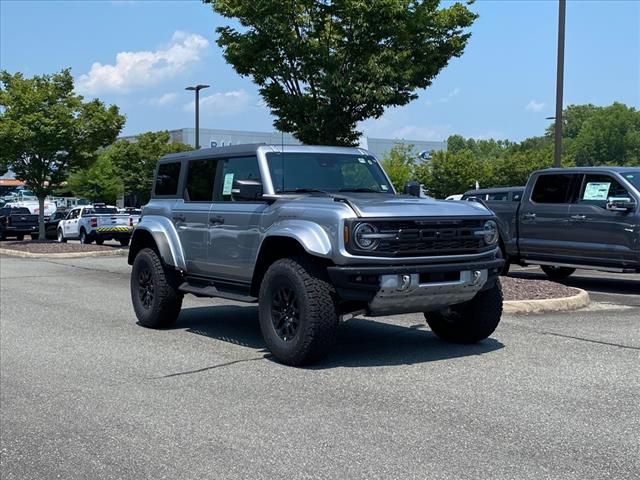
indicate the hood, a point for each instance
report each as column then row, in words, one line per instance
column 372, row 205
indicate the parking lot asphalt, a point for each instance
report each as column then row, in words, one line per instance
column 85, row 393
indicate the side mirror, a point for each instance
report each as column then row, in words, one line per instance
column 412, row 188
column 248, row 190
column 620, row 204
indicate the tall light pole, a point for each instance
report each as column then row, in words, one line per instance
column 559, row 84
column 197, row 88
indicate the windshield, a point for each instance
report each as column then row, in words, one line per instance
column 633, row 178
column 326, row 172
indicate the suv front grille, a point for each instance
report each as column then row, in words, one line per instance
column 427, row 237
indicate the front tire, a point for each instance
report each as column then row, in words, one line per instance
column 468, row 322
column 154, row 291
column 557, row 273
column 298, row 311
column 61, row 238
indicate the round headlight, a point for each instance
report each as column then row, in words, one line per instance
column 361, row 236
column 491, row 234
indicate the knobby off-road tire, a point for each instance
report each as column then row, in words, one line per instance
column 154, row 291
column 61, row 238
column 557, row 273
column 469, row 322
column 303, row 331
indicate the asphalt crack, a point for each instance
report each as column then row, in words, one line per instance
column 611, row 344
column 212, row 367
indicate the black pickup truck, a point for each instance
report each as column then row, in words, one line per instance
column 17, row 222
column 587, row 217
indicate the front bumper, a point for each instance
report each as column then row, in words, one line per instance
column 413, row 288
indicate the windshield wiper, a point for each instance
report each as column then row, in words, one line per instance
column 359, row 190
column 304, row 190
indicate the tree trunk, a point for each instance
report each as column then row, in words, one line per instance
column 41, row 232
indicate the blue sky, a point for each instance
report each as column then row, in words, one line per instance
column 141, row 54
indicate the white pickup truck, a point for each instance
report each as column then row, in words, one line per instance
column 97, row 222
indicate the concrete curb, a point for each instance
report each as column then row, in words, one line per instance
column 580, row 300
column 102, row 253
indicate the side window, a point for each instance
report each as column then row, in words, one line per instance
column 167, row 179
column 552, row 189
column 201, row 175
column 498, row 196
column 232, row 170
column 596, row 189
column 74, row 214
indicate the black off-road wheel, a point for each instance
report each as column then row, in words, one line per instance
column 298, row 311
column 557, row 273
column 468, row 322
column 154, row 291
column 61, row 238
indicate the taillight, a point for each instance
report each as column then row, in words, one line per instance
column 94, row 222
column 131, row 221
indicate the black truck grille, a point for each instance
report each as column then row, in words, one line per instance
column 425, row 237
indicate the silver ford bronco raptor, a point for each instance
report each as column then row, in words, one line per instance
column 315, row 235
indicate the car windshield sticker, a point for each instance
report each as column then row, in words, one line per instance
column 362, row 160
column 596, row 191
column 228, row 184
column 384, row 187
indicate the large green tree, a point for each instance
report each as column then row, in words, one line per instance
column 400, row 164
column 100, row 182
column 322, row 66
column 136, row 161
column 46, row 130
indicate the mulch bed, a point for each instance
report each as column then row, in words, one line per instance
column 35, row 246
column 523, row 289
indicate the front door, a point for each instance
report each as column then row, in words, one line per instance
column 601, row 236
column 235, row 224
column 543, row 218
column 71, row 227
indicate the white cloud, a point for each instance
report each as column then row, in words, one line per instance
column 534, row 106
column 222, row 103
column 144, row 68
column 416, row 132
column 444, row 99
column 162, row 100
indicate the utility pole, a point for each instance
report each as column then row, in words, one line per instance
column 197, row 88
column 559, row 84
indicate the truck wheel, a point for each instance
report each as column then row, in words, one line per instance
column 61, row 238
column 471, row 321
column 154, row 291
column 84, row 239
column 99, row 241
column 557, row 273
column 297, row 310
column 124, row 242
column 20, row 237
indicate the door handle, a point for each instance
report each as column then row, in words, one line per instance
column 216, row 220
column 179, row 218
column 529, row 216
column 579, row 217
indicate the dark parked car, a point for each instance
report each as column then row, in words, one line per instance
column 587, row 217
column 51, row 225
column 17, row 222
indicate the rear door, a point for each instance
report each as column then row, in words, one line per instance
column 543, row 218
column 600, row 236
column 235, row 223
column 191, row 214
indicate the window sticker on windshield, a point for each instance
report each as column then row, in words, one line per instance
column 596, row 191
column 370, row 162
column 630, row 177
column 362, row 160
column 228, row 184
column 384, row 187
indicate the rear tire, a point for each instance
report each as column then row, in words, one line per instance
column 154, row 291
column 298, row 311
column 99, row 241
column 61, row 238
column 124, row 242
column 20, row 237
column 557, row 273
column 468, row 322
